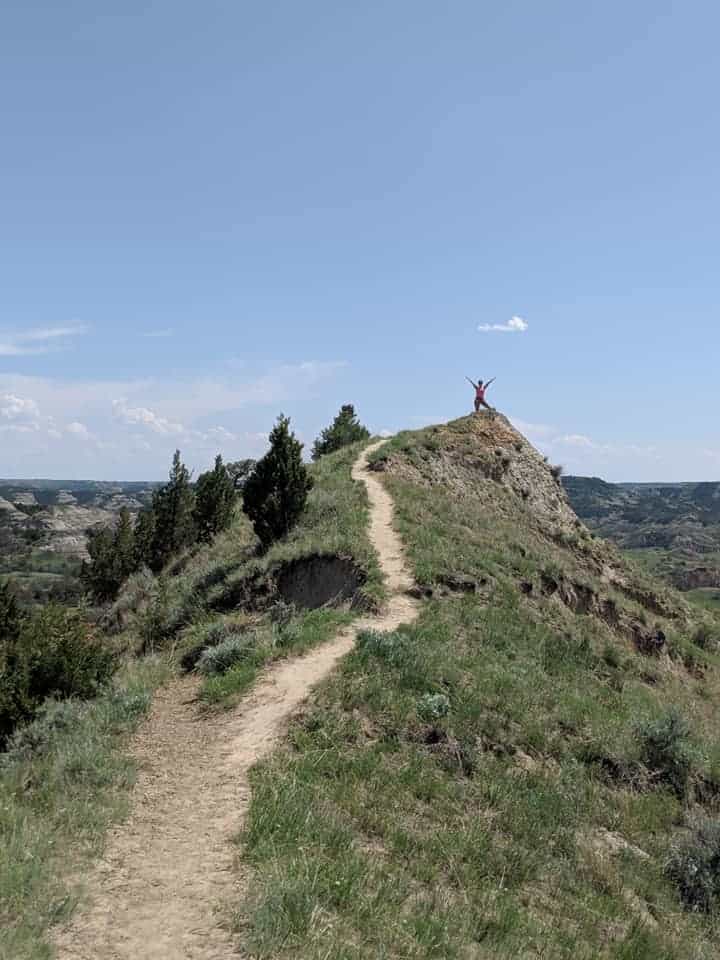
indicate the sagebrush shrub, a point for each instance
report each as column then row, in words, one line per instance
column 392, row 647
column 219, row 659
column 666, row 750
column 433, row 706
column 694, row 867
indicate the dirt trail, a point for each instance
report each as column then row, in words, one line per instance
column 158, row 893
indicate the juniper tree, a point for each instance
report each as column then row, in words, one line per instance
column 344, row 430
column 112, row 558
column 144, row 535
column 98, row 574
column 214, row 500
column 174, row 508
column 274, row 494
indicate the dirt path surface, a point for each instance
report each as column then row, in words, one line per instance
column 168, row 870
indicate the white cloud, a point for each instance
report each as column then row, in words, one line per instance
column 133, row 426
column 13, row 407
column 165, row 332
column 77, row 429
column 385, row 434
column 36, row 341
column 220, row 434
column 142, row 416
column 514, row 325
column 577, row 440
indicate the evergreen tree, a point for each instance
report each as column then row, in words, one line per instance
column 239, row 471
column 99, row 575
column 144, row 535
column 9, row 614
column 214, row 500
column 174, row 507
column 344, row 430
column 124, row 546
column 112, row 558
column 275, row 492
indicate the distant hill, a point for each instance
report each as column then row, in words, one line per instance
column 674, row 528
column 43, row 525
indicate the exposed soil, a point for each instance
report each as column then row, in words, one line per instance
column 312, row 582
column 168, row 872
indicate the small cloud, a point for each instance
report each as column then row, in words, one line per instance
column 514, row 325
column 142, row 416
column 166, row 332
column 220, row 434
column 13, row 407
column 36, row 341
column 385, row 434
column 577, row 440
column 77, row 429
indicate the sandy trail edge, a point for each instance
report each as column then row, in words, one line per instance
column 166, row 872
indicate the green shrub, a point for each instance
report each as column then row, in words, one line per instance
column 666, row 750
column 36, row 738
column 433, row 706
column 694, row 867
column 54, row 654
column 219, row 659
column 392, row 647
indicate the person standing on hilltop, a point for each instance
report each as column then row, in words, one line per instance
column 480, row 388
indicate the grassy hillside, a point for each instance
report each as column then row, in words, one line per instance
column 531, row 769
column 65, row 777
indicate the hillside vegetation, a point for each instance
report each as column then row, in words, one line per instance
column 531, row 769
column 65, row 776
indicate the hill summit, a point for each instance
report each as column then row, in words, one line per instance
column 528, row 769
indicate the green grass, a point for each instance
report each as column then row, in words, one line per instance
column 63, row 781
column 271, row 642
column 386, row 829
column 707, row 598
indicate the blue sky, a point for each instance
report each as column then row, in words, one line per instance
column 213, row 212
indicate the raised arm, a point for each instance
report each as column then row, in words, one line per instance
column 489, row 382
column 471, row 381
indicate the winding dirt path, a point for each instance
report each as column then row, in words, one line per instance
column 158, row 892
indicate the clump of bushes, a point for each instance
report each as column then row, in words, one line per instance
column 220, row 658
column 391, row 647
column 49, row 653
column 666, row 750
column 694, row 867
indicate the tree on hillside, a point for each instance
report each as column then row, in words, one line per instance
column 124, row 543
column 144, row 535
column 112, row 558
column 239, row 471
column 275, row 492
column 9, row 614
column 214, row 500
column 345, row 429
column 98, row 575
column 174, row 508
